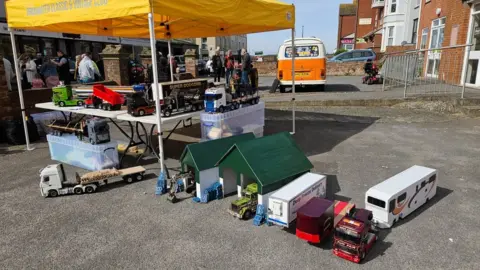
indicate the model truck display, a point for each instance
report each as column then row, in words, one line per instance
column 217, row 99
column 104, row 98
column 53, row 181
column 183, row 100
column 245, row 207
column 285, row 202
column 96, row 130
column 63, row 96
column 317, row 219
column 353, row 237
column 139, row 105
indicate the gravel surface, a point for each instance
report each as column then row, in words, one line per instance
column 127, row 227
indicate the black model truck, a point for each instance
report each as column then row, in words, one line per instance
column 183, row 100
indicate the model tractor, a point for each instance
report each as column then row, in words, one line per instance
column 139, row 105
column 175, row 185
column 63, row 96
column 245, row 207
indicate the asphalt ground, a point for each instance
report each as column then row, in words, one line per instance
column 127, row 227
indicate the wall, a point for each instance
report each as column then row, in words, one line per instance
column 333, row 69
column 207, row 179
column 457, row 14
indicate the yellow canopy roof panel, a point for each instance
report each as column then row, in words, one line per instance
column 173, row 18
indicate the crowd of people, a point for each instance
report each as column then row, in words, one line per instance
column 216, row 66
column 45, row 71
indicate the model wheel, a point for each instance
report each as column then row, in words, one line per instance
column 257, row 100
column 52, row 193
column 362, row 256
column 129, row 179
column 167, row 113
column 369, row 81
column 237, row 105
column 80, row 103
column 108, row 107
column 85, row 106
column 92, row 141
column 141, row 112
column 200, row 107
column 247, row 215
column 139, row 177
column 78, row 191
column 89, row 189
column 221, row 109
column 61, row 104
column 232, row 107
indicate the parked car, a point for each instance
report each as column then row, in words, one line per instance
column 354, row 56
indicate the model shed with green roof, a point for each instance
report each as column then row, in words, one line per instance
column 272, row 162
column 201, row 159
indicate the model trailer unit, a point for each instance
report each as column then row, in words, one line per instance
column 400, row 195
column 96, row 130
column 284, row 204
column 63, row 96
column 53, row 181
column 218, row 100
column 104, row 98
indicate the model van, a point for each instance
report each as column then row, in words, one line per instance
column 400, row 195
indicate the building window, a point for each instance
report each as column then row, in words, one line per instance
column 437, row 33
column 423, row 42
column 393, row 7
column 414, row 31
column 390, row 35
column 417, row 4
column 347, row 47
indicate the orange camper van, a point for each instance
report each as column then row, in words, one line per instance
column 310, row 63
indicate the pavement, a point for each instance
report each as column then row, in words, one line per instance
column 127, row 227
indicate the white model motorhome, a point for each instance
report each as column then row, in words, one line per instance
column 400, row 195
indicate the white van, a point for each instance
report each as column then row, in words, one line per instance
column 400, row 195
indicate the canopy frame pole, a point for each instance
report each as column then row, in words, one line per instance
column 294, row 51
column 157, row 88
column 20, row 90
column 170, row 58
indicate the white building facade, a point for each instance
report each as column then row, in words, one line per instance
column 208, row 45
column 400, row 22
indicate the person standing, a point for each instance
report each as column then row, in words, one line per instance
column 63, row 67
column 217, row 66
column 87, row 70
column 78, row 59
column 209, row 67
column 49, row 73
column 9, row 74
column 229, row 67
column 30, row 69
column 246, row 66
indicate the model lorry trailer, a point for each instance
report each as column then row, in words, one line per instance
column 53, row 181
column 63, row 96
column 218, row 100
column 285, row 202
column 104, row 98
column 246, row 207
column 96, row 130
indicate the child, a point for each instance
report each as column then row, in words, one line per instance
column 37, row 81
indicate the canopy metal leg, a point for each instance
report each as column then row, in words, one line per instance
column 294, row 51
column 157, row 88
column 170, row 58
column 20, row 90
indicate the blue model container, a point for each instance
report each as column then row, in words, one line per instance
column 70, row 150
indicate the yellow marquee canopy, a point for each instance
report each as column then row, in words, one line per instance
column 173, row 18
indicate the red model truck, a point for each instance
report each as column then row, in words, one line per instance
column 317, row 219
column 104, row 98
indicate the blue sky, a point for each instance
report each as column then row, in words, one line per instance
column 319, row 18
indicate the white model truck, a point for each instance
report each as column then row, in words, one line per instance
column 218, row 100
column 53, row 181
column 285, row 202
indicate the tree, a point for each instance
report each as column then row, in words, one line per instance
column 339, row 51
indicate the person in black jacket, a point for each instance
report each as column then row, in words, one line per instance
column 246, row 67
column 63, row 67
column 217, row 66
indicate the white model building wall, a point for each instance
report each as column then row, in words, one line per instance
column 207, row 179
column 229, row 181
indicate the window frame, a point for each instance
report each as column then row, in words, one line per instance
column 425, row 32
column 439, row 26
column 415, row 31
column 391, row 35
column 371, row 200
column 403, row 197
column 393, row 5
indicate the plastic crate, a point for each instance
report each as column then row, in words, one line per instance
column 244, row 120
column 68, row 149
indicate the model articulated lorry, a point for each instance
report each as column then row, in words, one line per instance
column 104, row 98
column 218, row 100
column 63, row 96
column 96, row 130
column 245, row 207
column 285, row 202
column 53, row 181
column 183, row 100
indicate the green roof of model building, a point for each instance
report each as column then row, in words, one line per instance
column 272, row 158
column 206, row 154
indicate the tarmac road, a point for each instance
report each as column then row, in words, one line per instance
column 127, row 227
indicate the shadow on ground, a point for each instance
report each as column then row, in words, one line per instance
column 316, row 133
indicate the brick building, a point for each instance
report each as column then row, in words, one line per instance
column 444, row 23
column 368, row 31
column 346, row 26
